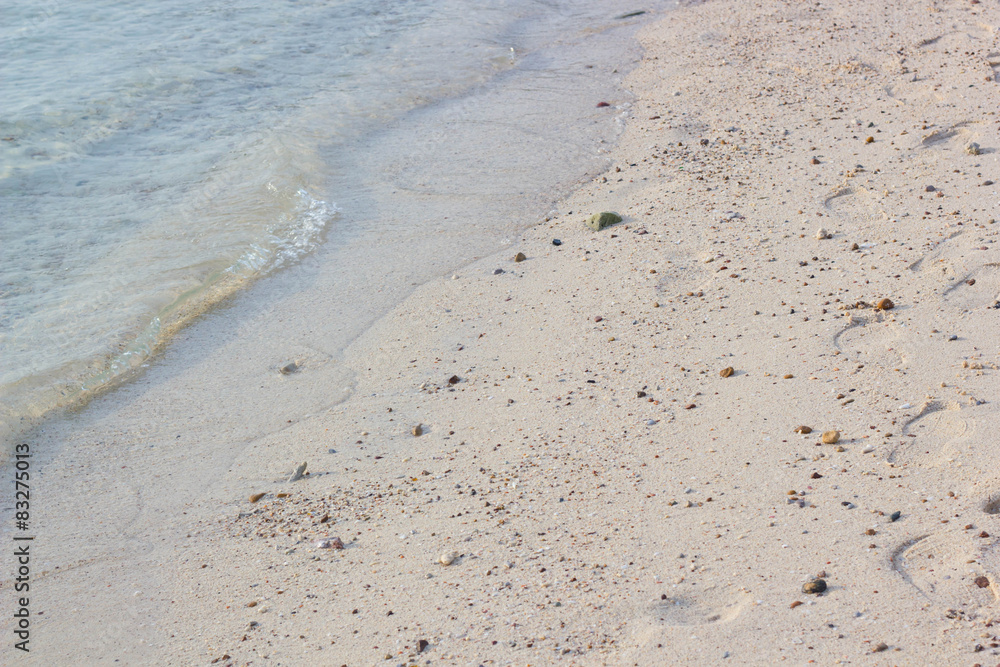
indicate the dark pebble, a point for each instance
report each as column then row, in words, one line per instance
column 556, row 242
column 895, row 516
column 814, row 587
column 497, row 272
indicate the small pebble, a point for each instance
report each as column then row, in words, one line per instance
column 870, row 140
column 929, row 188
column 953, row 337
column 417, row 430
column 885, row 304
column 297, row 475
column 803, row 429
column 257, row 496
column 823, row 234
column 556, row 242
column 982, row 582
column 972, row 148
column 814, row 587
column 519, row 257
column 830, row 437
column 447, row 558
column 726, row 372
column 895, row 516
column 880, row 647
column 795, row 604
column 288, row 368
column 330, row 543
column 497, row 272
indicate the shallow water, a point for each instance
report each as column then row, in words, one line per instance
column 156, row 158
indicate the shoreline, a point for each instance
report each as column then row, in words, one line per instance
column 601, row 493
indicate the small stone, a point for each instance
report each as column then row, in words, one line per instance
column 870, row 531
column 983, row 582
column 690, row 406
column 599, row 221
column 816, row 475
column 984, row 534
column 830, row 437
column 952, row 337
column 598, row 318
column 640, row 394
column 288, row 368
column 519, row 257
column 814, row 587
column 881, row 646
column 839, row 448
column 297, row 475
column 972, row 148
column 454, row 379
column 422, row 644
column 447, row 558
column 497, row 272
column 417, row 430
column 823, row 234
column 929, row 188
column 885, row 304
column 330, row 543
column 855, row 246
column 656, row 304
column 894, row 517
column 556, row 242
column 795, row 604
column 252, row 603
column 727, row 371
column 814, row 161
column 257, row 496
column 870, row 140
column 787, row 376
column 804, row 430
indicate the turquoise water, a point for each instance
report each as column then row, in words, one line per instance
column 156, row 157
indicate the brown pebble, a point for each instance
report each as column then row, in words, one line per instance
column 252, row 603
column 814, row 587
column 970, row 282
column 792, row 492
column 519, row 257
column 598, row 318
column 816, row 475
column 803, row 429
column 454, row 379
column 689, row 406
column 282, row 495
column 640, row 394
column 885, row 304
column 257, row 496
column 788, row 376
column 417, row 430
column 880, row 647
column 870, row 531
column 795, row 604
column 870, row 140
column 982, row 582
column 727, row 371
column 855, row 246
column 984, row 534
column 815, row 161
column 830, row 437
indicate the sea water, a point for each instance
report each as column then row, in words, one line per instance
column 157, row 157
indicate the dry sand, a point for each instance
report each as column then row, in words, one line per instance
column 610, row 498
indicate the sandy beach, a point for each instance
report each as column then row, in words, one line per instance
column 616, row 451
